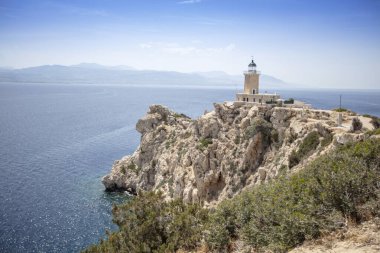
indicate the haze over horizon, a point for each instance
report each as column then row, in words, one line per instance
column 333, row 44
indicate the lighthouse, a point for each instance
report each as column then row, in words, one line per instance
column 251, row 92
column 251, row 80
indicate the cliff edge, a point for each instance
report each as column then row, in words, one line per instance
column 216, row 156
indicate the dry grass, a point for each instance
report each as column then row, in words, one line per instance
column 362, row 238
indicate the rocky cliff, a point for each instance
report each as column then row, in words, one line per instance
column 219, row 154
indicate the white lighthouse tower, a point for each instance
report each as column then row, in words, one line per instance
column 251, row 80
column 251, row 91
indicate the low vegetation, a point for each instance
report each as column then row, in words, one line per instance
column 289, row 101
column 356, row 124
column 309, row 144
column 374, row 132
column 327, row 139
column 180, row 115
column 122, row 169
column 349, row 112
column 133, row 167
column 203, row 143
column 340, row 110
column 147, row 223
column 336, row 189
column 375, row 121
column 260, row 126
column 332, row 191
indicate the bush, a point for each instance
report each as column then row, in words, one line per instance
column 221, row 227
column 293, row 159
column 327, row 139
column 279, row 215
column 374, row 132
column 289, row 101
column 356, row 124
column 133, row 167
column 203, row 143
column 180, row 115
column 342, row 182
column 309, row 144
column 122, row 169
column 259, row 126
column 335, row 188
column 375, row 121
column 149, row 224
column 340, row 110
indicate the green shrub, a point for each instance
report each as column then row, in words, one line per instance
column 374, row 132
column 327, row 139
column 221, row 228
column 133, row 167
column 237, row 139
column 340, row 110
column 282, row 214
column 279, row 215
column 342, row 182
column 356, row 124
column 309, row 144
column 147, row 223
column 335, row 188
column 260, row 126
column 294, row 159
column 122, row 169
column 375, row 121
column 274, row 135
column 180, row 115
column 203, row 143
column 289, row 101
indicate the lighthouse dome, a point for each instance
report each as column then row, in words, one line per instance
column 252, row 64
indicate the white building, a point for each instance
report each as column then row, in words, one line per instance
column 251, row 91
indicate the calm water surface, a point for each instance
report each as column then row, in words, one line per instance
column 57, row 141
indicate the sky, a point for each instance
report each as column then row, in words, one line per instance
column 316, row 43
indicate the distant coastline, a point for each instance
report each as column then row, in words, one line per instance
column 99, row 74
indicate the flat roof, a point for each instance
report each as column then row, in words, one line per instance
column 259, row 94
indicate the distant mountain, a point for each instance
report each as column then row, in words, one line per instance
column 98, row 66
column 92, row 73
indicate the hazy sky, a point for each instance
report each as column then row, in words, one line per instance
column 326, row 43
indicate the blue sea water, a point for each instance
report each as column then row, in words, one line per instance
column 57, row 141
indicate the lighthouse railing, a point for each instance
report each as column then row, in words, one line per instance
column 252, row 72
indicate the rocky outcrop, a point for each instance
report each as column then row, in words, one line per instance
column 219, row 154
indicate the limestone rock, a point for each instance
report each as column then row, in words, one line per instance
column 218, row 155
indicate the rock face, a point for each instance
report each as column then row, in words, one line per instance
column 216, row 156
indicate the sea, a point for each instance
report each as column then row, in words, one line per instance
column 57, row 141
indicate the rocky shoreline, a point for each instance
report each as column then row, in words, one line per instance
column 218, row 155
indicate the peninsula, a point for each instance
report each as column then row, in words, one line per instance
column 258, row 173
column 239, row 144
